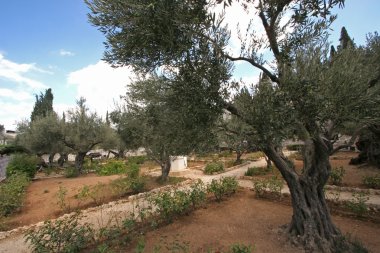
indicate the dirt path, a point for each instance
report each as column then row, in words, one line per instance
column 257, row 221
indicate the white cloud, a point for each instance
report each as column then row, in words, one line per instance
column 64, row 52
column 14, row 95
column 101, row 85
column 11, row 113
column 15, row 72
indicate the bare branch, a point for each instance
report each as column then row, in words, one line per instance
column 272, row 77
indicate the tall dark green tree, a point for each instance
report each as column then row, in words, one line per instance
column 43, row 105
column 303, row 96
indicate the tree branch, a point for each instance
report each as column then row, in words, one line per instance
column 350, row 142
column 272, row 77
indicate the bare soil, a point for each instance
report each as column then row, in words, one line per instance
column 354, row 174
column 245, row 220
column 42, row 202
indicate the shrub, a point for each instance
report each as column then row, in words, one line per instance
column 223, row 187
column 256, row 171
column 112, row 167
column 241, row 248
column 358, row 204
column 137, row 159
column 372, row 181
column 63, row 235
column 336, row 176
column 255, row 155
column 272, row 185
column 225, row 154
column 12, row 192
column 214, row 167
column 71, row 172
column 171, row 204
column 23, row 163
column 198, row 193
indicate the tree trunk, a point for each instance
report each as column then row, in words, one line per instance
column 311, row 223
column 268, row 161
column 165, row 169
column 51, row 159
column 79, row 160
column 62, row 158
column 238, row 158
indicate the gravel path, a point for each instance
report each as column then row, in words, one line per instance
column 115, row 211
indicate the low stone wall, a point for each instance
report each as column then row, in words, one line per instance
column 88, row 211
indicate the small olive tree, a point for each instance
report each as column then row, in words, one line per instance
column 82, row 131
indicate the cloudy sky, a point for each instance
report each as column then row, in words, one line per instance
column 50, row 44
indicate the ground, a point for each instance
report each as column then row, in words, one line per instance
column 245, row 219
column 240, row 219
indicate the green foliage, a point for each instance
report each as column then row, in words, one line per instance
column 372, row 181
column 62, row 201
column 11, row 149
column 23, row 163
column 43, row 105
column 336, row 175
column 272, row 185
column 61, row 236
column 358, row 203
column 198, row 193
column 214, row 167
column 241, row 248
column 225, row 186
column 255, row 156
column 12, row 192
column 170, row 204
column 137, row 159
column 112, row 167
column 257, row 171
column 71, row 172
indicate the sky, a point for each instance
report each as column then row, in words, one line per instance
column 50, row 44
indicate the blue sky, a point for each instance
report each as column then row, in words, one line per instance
column 49, row 43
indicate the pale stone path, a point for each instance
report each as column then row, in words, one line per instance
column 115, row 211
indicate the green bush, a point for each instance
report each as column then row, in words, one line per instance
column 372, row 181
column 112, row 167
column 225, row 186
column 241, row 248
column 272, row 185
column 63, row 235
column 198, row 193
column 12, row 192
column 133, row 181
column 256, row 171
column 71, row 172
column 255, row 156
column 137, row 159
column 336, row 176
column 170, row 204
column 214, row 167
column 23, row 163
column 358, row 203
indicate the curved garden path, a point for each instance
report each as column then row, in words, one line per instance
column 13, row 241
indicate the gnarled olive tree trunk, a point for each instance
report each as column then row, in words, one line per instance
column 165, row 170
column 79, row 160
column 311, row 223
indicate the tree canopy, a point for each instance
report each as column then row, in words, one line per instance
column 306, row 91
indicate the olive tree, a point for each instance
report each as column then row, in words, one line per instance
column 308, row 94
column 82, row 131
column 43, row 136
